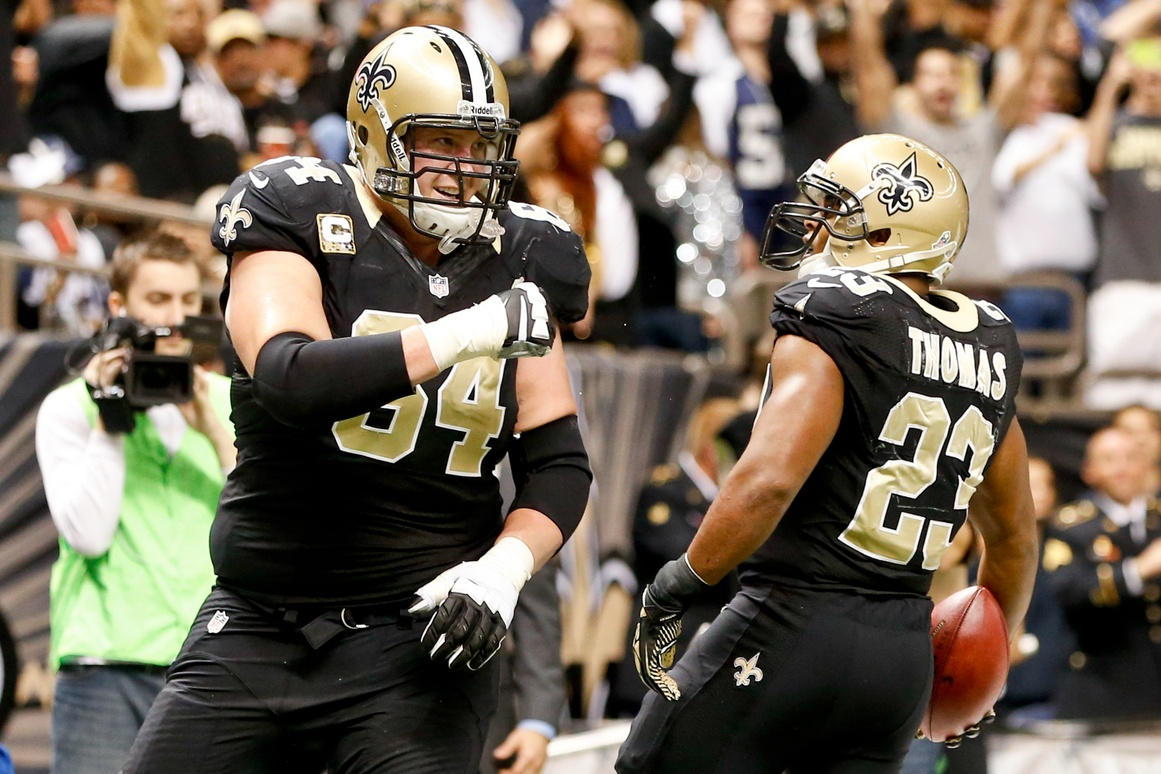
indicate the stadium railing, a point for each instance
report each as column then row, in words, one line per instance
column 135, row 208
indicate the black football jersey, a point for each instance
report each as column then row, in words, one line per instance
column 929, row 391
column 369, row 508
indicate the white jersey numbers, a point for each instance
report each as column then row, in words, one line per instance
column 890, row 485
column 468, row 401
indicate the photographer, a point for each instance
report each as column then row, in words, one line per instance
column 132, row 482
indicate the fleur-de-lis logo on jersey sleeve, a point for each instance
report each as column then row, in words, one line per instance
column 232, row 215
column 901, row 185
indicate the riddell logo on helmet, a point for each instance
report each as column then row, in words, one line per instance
column 372, row 78
column 901, row 185
column 467, row 109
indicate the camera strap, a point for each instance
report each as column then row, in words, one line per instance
column 114, row 409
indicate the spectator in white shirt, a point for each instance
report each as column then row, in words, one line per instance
column 1046, row 196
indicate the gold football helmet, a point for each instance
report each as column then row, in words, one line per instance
column 438, row 77
column 889, row 204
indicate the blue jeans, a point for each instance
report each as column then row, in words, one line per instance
column 922, row 757
column 96, row 711
column 1031, row 309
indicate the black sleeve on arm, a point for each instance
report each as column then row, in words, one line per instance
column 532, row 97
column 551, row 469
column 790, row 90
column 654, row 140
column 303, row 382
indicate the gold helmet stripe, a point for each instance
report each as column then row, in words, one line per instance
column 473, row 67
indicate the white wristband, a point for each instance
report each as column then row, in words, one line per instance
column 472, row 332
column 512, row 558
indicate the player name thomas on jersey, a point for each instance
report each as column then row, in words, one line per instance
column 943, row 359
column 929, row 392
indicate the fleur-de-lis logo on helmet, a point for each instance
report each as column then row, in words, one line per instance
column 901, row 184
column 230, row 216
column 372, row 78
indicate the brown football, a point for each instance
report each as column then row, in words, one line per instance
column 969, row 638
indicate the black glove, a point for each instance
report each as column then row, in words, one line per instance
column 464, row 632
column 473, row 604
column 659, row 624
column 530, row 327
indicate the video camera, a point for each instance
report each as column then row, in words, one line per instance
column 151, row 379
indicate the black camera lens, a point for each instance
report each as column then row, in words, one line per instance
column 156, row 379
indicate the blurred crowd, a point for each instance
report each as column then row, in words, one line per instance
column 661, row 131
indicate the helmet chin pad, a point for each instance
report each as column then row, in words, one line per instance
column 453, row 225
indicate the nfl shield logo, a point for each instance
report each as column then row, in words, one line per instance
column 438, row 285
column 218, row 622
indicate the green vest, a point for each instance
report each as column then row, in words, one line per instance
column 136, row 602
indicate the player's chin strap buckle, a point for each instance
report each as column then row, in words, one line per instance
column 349, row 622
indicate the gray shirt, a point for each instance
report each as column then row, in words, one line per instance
column 971, row 144
column 1130, row 225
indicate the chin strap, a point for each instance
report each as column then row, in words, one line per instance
column 897, row 263
column 820, row 262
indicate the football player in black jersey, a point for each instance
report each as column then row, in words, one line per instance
column 889, row 414
column 366, row 574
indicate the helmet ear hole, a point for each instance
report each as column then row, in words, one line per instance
column 363, row 134
column 879, row 237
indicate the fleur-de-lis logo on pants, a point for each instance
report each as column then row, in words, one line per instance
column 747, row 670
column 901, row 184
column 231, row 215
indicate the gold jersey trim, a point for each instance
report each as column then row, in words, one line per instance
column 965, row 318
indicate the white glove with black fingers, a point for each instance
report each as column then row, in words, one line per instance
column 473, row 604
column 663, row 603
column 530, row 327
column 513, row 323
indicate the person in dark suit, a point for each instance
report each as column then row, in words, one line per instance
column 1045, row 642
column 532, row 695
column 1104, row 556
column 669, row 509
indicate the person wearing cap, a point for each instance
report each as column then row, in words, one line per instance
column 300, row 81
column 292, row 27
column 185, row 127
column 236, row 39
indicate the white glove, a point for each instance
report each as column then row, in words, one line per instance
column 514, row 323
column 473, row 604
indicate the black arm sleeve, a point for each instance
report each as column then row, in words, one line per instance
column 551, row 469
column 303, row 382
column 791, row 91
column 654, row 140
column 532, row 96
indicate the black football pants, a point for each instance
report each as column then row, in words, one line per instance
column 254, row 696
column 791, row 679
